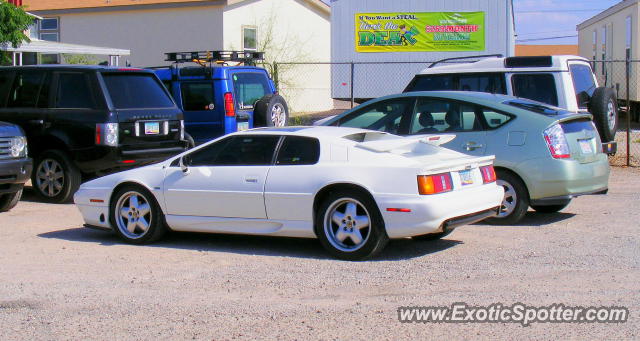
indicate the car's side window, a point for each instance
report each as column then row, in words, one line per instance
column 249, row 87
column 583, row 83
column 298, row 150
column 384, row 116
column 25, row 90
column 539, row 87
column 5, row 83
column 196, row 95
column 73, row 91
column 243, row 150
column 432, row 83
column 486, row 82
column 439, row 115
column 495, row 119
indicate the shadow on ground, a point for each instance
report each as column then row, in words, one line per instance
column 533, row 219
column 29, row 195
column 254, row 245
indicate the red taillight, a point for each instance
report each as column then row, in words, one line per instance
column 229, row 109
column 557, row 142
column 433, row 184
column 488, row 174
column 98, row 133
column 128, row 161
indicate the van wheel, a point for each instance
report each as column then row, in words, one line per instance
column 350, row 226
column 9, row 200
column 55, row 178
column 604, row 108
column 270, row 111
column 515, row 202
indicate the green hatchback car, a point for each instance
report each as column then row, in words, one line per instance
column 545, row 155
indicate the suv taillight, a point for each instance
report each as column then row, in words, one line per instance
column 433, row 184
column 557, row 142
column 107, row 134
column 488, row 174
column 182, row 130
column 229, row 109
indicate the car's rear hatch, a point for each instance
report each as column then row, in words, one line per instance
column 582, row 137
column 144, row 110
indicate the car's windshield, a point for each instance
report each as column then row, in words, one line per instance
column 537, row 107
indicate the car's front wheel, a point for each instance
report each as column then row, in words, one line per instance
column 55, row 177
column 515, row 201
column 9, row 200
column 136, row 216
column 350, row 226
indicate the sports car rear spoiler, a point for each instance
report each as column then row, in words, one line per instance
column 387, row 145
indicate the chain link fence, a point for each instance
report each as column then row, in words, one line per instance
column 317, row 90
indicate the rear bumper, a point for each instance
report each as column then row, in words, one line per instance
column 110, row 159
column 549, row 178
column 433, row 213
column 14, row 173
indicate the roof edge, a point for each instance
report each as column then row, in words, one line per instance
column 607, row 12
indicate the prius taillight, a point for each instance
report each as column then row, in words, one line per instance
column 433, row 184
column 488, row 174
column 229, row 109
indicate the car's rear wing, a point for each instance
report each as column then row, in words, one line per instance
column 388, row 145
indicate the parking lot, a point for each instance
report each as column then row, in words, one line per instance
column 63, row 281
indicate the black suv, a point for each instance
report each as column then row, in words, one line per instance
column 83, row 121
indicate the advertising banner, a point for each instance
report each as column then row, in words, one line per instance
column 420, row 32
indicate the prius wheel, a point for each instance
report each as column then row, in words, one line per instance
column 515, row 201
column 135, row 215
column 350, row 226
column 55, row 177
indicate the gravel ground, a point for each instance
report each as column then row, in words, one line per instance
column 62, row 281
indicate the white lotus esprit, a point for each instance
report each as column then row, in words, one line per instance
column 353, row 189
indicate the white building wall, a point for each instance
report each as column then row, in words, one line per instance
column 300, row 32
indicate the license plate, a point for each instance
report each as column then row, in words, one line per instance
column 152, row 128
column 465, row 177
column 585, row 146
column 243, row 126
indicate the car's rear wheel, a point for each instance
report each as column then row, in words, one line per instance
column 9, row 200
column 136, row 216
column 604, row 108
column 515, row 202
column 550, row 208
column 270, row 111
column 55, row 178
column 350, row 226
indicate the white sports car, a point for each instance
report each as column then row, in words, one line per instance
column 353, row 189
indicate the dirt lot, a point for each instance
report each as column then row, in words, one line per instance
column 62, row 281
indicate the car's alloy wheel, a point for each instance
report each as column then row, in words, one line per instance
column 347, row 224
column 278, row 115
column 509, row 201
column 612, row 115
column 49, row 177
column 134, row 215
column 515, row 201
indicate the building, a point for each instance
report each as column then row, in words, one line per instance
column 393, row 40
column 546, row 50
column 296, row 31
column 609, row 38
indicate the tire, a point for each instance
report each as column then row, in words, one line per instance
column 515, row 202
column 432, row 236
column 550, row 208
column 9, row 200
column 604, row 108
column 55, row 178
column 348, row 207
column 270, row 111
column 141, row 222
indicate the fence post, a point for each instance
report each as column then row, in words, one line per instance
column 627, row 72
column 352, row 78
column 275, row 76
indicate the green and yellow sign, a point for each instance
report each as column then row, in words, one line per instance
column 420, row 32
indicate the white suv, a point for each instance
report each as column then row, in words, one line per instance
column 564, row 81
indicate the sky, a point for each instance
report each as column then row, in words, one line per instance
column 537, row 19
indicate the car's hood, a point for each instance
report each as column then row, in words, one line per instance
column 10, row 130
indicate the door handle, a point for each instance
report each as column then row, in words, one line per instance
column 251, row 179
column 469, row 146
column 36, row 121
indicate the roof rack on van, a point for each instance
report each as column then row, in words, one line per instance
column 215, row 57
column 463, row 58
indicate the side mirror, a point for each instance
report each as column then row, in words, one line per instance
column 183, row 166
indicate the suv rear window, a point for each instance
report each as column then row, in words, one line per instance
column 250, row 87
column 482, row 82
column 539, row 87
column 583, row 83
column 136, row 91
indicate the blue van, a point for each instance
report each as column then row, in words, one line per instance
column 219, row 99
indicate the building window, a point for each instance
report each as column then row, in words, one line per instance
column 594, row 50
column 629, row 33
column 50, row 31
column 249, row 38
column 604, row 47
column 49, row 24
